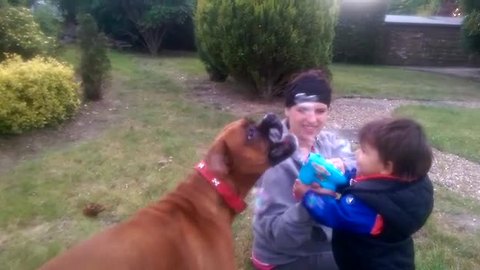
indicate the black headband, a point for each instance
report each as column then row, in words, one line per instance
column 308, row 89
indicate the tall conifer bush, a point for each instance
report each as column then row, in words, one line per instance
column 94, row 62
column 263, row 41
column 209, row 30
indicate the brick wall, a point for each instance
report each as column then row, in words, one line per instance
column 423, row 45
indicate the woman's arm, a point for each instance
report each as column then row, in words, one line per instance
column 279, row 220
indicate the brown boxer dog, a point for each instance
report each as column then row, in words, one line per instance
column 190, row 227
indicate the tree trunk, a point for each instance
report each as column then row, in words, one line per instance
column 153, row 39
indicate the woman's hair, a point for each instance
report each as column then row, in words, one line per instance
column 316, row 73
column 401, row 141
column 310, row 83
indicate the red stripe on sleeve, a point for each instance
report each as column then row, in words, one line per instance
column 378, row 226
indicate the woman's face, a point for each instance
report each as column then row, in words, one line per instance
column 306, row 120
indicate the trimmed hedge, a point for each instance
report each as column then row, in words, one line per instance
column 35, row 93
column 209, row 38
column 20, row 34
column 263, row 42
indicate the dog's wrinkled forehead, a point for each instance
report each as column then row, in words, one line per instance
column 271, row 127
column 281, row 145
column 266, row 137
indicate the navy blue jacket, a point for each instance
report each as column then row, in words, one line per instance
column 373, row 221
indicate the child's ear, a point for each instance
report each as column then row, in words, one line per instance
column 388, row 168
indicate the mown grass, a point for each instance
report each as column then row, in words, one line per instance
column 452, row 236
column 126, row 167
column 453, row 130
column 395, row 82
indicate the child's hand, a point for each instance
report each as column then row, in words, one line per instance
column 299, row 190
column 323, row 191
column 338, row 163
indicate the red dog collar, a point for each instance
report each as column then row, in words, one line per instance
column 227, row 193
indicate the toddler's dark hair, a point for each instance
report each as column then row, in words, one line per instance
column 401, row 141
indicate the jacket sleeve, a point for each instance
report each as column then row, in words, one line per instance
column 346, row 213
column 279, row 219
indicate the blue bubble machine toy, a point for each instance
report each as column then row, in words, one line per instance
column 308, row 175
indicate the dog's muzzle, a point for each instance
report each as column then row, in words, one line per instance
column 281, row 145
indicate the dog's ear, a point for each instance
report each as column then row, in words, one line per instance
column 217, row 158
column 279, row 151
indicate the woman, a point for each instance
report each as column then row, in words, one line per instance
column 285, row 236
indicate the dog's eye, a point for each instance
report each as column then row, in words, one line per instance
column 251, row 132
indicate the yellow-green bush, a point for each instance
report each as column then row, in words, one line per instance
column 20, row 34
column 35, row 93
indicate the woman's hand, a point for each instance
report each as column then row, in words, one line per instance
column 299, row 190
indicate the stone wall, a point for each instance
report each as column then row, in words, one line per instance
column 423, row 45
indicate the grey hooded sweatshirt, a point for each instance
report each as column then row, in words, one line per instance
column 283, row 230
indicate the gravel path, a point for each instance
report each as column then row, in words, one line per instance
column 451, row 171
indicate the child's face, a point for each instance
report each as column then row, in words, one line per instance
column 369, row 162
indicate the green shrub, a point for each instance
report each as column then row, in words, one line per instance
column 470, row 5
column 471, row 25
column 94, row 62
column 262, row 42
column 49, row 19
column 20, row 34
column 3, row 4
column 24, row 3
column 358, row 30
column 180, row 36
column 209, row 38
column 35, row 93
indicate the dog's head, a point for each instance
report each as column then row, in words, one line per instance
column 245, row 149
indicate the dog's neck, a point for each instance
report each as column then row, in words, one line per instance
column 224, row 188
column 207, row 200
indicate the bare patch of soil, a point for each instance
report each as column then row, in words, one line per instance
column 230, row 96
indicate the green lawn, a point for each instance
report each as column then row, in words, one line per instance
column 395, row 82
column 42, row 198
column 451, row 238
column 449, row 241
column 453, row 130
